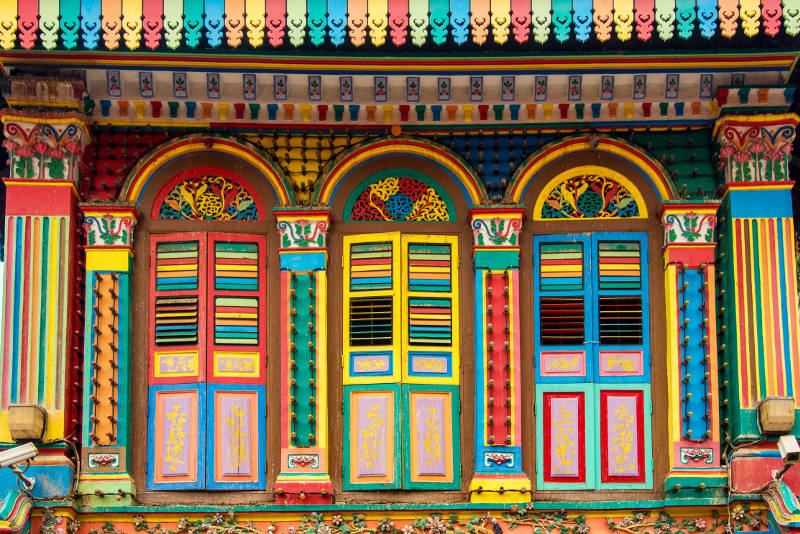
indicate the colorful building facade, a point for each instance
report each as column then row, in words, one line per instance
column 415, row 267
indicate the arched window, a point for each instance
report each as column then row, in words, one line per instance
column 403, row 305
column 595, row 248
column 200, row 317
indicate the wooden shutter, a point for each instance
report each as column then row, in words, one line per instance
column 562, row 308
column 371, row 309
column 622, row 313
column 430, row 309
column 237, row 302
column 623, row 423
column 177, row 311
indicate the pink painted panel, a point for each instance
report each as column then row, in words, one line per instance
column 235, row 419
column 371, row 436
column 431, row 442
column 621, row 363
column 562, row 363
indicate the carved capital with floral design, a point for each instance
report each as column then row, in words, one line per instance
column 755, row 148
column 45, row 145
column 496, row 227
column 689, row 223
column 109, row 226
column 303, row 229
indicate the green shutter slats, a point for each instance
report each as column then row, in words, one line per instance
column 430, row 321
column 236, row 266
column 619, row 265
column 429, row 267
column 235, row 321
column 561, row 266
column 176, row 320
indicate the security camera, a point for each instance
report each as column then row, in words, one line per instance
column 790, row 450
column 20, row 454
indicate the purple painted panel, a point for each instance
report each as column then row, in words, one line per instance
column 175, row 436
column 564, row 439
column 622, row 432
column 234, row 422
column 371, row 432
column 429, row 365
column 431, row 441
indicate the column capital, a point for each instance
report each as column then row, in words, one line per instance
column 301, row 229
column 45, row 145
column 755, row 148
column 496, row 227
column 109, row 226
column 689, row 223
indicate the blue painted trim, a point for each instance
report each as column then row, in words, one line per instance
column 750, row 203
column 303, row 261
column 389, row 354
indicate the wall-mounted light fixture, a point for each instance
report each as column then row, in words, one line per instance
column 26, row 422
column 776, row 415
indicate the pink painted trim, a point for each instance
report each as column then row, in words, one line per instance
column 777, row 309
column 26, row 291
column 552, row 354
column 10, row 275
column 285, row 304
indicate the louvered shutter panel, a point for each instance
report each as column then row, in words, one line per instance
column 236, row 359
column 177, row 390
column 430, row 310
column 371, row 316
column 562, row 307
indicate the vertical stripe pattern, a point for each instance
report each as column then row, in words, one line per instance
column 370, row 266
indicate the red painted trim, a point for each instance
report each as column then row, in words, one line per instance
column 26, row 297
column 54, row 199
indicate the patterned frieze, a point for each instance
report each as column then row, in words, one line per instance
column 755, row 148
column 108, row 229
column 45, row 145
column 496, row 229
column 303, row 230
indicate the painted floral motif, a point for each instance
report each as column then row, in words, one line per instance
column 564, row 425
column 237, row 444
column 756, row 153
column 696, row 454
column 371, row 445
column 399, row 199
column 208, row 198
column 621, row 363
column 177, row 437
column 303, row 233
column 496, row 231
column 689, row 227
column 432, row 440
column 108, row 230
column 589, row 196
column 622, row 443
column 563, row 364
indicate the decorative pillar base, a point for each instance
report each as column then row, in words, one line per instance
column 52, row 470
column 318, row 490
column 106, row 489
column 496, row 488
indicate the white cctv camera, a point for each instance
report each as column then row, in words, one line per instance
column 790, row 450
column 17, row 455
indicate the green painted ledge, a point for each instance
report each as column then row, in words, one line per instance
column 541, row 505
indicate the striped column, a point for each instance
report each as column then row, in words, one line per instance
column 303, row 253
column 105, row 435
column 40, row 334
column 692, row 380
column 498, row 449
column 757, row 278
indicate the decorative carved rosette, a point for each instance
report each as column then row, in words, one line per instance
column 303, row 229
column 756, row 148
column 45, row 145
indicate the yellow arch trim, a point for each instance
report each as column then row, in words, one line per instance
column 464, row 176
column 588, row 169
column 651, row 168
column 158, row 157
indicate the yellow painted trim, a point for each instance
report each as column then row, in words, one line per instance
column 43, row 103
column 108, row 259
column 322, row 364
column 252, row 356
column 42, row 183
column 589, row 169
column 46, row 120
column 395, row 292
column 166, row 122
column 673, row 382
column 491, row 490
column 765, row 119
column 193, row 358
